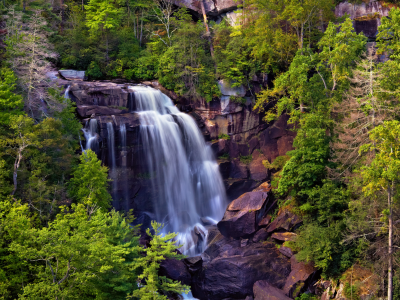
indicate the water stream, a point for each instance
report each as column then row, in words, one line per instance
column 185, row 178
column 91, row 135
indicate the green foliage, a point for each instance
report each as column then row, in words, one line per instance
column 155, row 286
column 90, row 182
column 307, row 297
column 224, row 136
column 98, row 252
column 388, row 38
column 238, row 100
column 224, row 156
column 93, row 71
column 246, row 159
column 10, row 103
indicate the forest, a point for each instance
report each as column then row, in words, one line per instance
column 60, row 238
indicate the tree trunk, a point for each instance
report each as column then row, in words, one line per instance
column 390, row 258
column 203, row 10
column 15, row 173
column 62, row 17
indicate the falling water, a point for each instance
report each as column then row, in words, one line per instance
column 122, row 132
column 185, row 177
column 111, row 146
column 91, row 135
column 66, row 93
column 123, row 181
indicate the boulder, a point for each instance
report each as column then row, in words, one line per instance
column 301, row 273
column 286, row 251
column 243, row 214
column 261, row 235
column 236, row 187
column 229, row 270
column 263, row 290
column 72, row 74
column 265, row 221
column 285, row 221
column 175, row 270
column 284, row 236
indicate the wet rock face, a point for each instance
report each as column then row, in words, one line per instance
column 263, row 290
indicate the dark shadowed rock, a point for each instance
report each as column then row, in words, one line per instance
column 286, row 251
column 193, row 264
column 85, row 111
column 261, row 235
column 233, row 271
column 238, row 169
column 284, row 236
column 243, row 214
column 263, row 290
column 284, row 221
column 249, row 298
column 265, row 221
column 237, row 187
column 300, row 274
column 175, row 270
column 224, row 168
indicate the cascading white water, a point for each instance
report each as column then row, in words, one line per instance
column 124, row 187
column 91, row 135
column 185, row 176
column 66, row 93
column 111, row 146
column 122, row 132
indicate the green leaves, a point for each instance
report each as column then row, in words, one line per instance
column 11, row 104
column 385, row 167
column 388, row 38
column 90, row 182
column 103, row 14
column 161, row 247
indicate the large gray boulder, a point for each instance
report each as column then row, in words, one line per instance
column 72, row 74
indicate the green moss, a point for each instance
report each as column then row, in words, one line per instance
column 224, row 136
column 224, row 156
column 246, row 159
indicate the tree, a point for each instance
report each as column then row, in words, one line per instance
column 74, row 257
column 383, row 174
column 29, row 52
column 388, row 38
column 154, row 287
column 365, row 105
column 89, row 185
column 298, row 92
column 103, row 15
column 10, row 103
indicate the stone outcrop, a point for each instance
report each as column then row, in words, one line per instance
column 243, row 214
column 243, row 261
column 263, row 290
column 300, row 274
column 366, row 16
column 72, row 74
column 212, row 8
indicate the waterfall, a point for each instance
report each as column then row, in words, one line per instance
column 122, row 132
column 123, row 181
column 66, row 93
column 111, row 146
column 185, row 177
column 91, row 135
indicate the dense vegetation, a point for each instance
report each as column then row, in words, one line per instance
column 58, row 237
